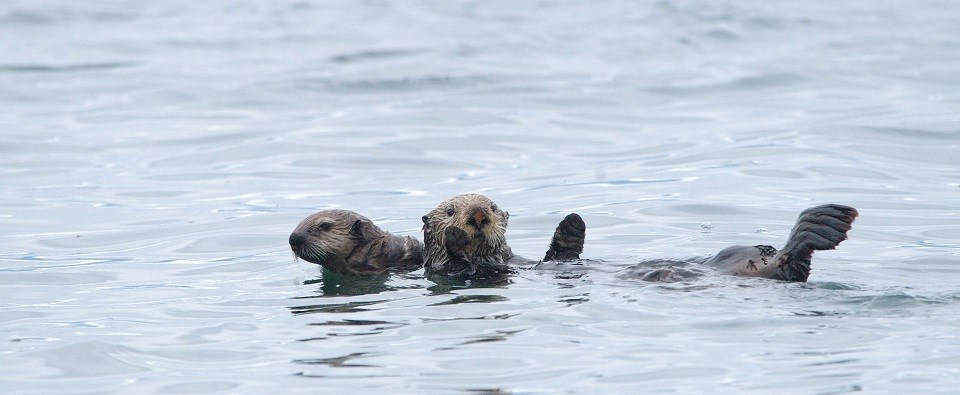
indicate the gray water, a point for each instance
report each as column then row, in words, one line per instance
column 154, row 157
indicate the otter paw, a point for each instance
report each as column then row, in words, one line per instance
column 573, row 227
column 455, row 240
column 567, row 242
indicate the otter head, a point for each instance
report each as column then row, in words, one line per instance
column 330, row 237
column 484, row 224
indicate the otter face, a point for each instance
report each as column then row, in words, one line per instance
column 327, row 237
column 476, row 215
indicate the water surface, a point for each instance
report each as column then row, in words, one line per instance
column 155, row 156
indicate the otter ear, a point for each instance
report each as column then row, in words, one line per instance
column 357, row 229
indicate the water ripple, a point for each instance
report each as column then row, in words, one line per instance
column 67, row 68
column 154, row 157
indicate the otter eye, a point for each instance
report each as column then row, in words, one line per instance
column 325, row 226
column 494, row 208
column 450, row 211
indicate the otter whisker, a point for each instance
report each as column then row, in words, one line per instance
column 317, row 253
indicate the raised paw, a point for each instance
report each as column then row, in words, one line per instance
column 567, row 242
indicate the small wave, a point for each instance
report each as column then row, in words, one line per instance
column 337, row 362
column 893, row 300
column 353, row 323
column 472, row 299
column 60, row 15
column 749, row 83
column 349, row 307
column 372, row 55
column 397, row 84
column 67, row 68
column 91, row 358
column 832, row 286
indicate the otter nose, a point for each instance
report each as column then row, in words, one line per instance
column 296, row 240
column 478, row 219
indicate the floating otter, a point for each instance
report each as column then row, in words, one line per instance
column 466, row 236
column 348, row 243
column 818, row 228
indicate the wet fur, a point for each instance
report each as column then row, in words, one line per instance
column 466, row 236
column 348, row 243
column 818, row 228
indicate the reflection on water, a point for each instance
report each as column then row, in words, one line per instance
column 348, row 307
column 445, row 284
column 472, row 299
column 337, row 362
column 336, row 284
column 498, row 337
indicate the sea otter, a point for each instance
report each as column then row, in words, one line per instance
column 818, row 228
column 466, row 236
column 348, row 243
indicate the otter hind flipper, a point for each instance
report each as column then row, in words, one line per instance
column 818, row 228
column 567, row 242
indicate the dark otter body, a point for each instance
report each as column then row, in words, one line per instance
column 818, row 228
column 466, row 236
column 348, row 243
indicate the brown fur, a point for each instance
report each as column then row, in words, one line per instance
column 483, row 222
column 349, row 243
column 466, row 235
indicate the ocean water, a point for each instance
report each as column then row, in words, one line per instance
column 154, row 157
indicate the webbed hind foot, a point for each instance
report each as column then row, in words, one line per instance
column 818, row 228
